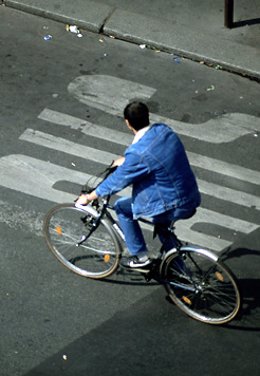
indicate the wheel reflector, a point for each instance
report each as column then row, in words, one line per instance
column 219, row 276
column 106, row 258
column 58, row 229
column 186, row 300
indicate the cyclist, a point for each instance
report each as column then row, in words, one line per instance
column 164, row 187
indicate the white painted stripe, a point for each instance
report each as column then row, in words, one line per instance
column 211, row 164
column 184, row 231
column 65, row 146
column 225, row 128
column 108, row 93
column 229, row 195
column 86, row 127
column 208, row 216
column 37, row 178
column 224, row 168
column 93, row 91
column 68, row 147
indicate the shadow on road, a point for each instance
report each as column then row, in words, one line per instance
column 125, row 276
column 245, row 264
column 250, row 22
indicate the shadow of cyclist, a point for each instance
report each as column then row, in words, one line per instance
column 245, row 264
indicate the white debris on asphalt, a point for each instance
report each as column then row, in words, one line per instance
column 74, row 29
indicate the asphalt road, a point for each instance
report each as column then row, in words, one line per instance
column 60, row 122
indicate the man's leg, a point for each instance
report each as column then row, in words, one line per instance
column 133, row 234
column 163, row 221
column 167, row 238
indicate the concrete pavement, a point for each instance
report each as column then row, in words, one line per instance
column 195, row 31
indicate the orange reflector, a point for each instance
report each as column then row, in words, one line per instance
column 186, row 300
column 58, row 229
column 219, row 276
column 106, row 258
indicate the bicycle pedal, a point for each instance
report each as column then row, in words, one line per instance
column 144, row 271
column 140, row 270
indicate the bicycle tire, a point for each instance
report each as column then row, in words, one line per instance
column 201, row 285
column 64, row 227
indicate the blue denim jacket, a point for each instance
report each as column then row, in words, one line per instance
column 159, row 171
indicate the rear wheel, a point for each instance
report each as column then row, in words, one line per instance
column 201, row 286
column 65, row 226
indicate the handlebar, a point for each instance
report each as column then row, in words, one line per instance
column 88, row 187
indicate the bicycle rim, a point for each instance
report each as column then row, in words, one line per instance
column 201, row 286
column 64, row 228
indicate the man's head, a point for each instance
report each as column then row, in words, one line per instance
column 136, row 115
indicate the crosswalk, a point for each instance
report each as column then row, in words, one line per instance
column 39, row 177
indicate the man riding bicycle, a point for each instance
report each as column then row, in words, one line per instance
column 164, row 188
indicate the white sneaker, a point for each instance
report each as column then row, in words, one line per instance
column 135, row 262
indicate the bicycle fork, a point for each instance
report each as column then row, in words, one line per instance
column 94, row 226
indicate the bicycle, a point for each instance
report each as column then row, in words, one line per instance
column 88, row 241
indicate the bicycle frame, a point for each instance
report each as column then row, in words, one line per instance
column 104, row 212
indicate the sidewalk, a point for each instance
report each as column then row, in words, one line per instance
column 191, row 29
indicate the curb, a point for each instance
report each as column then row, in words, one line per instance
column 184, row 42
column 140, row 29
column 99, row 15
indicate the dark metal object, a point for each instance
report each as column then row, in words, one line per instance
column 229, row 13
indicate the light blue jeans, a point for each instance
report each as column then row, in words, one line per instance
column 133, row 234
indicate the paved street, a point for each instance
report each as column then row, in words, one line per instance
column 61, row 123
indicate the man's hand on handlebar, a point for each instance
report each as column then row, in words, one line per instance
column 118, row 162
column 86, row 198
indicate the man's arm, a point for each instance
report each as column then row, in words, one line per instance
column 86, row 198
column 130, row 170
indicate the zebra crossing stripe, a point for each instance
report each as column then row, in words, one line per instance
column 211, row 164
column 230, row 195
column 203, row 216
column 86, row 127
column 38, row 178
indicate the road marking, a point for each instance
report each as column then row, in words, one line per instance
column 86, row 127
column 210, row 164
column 18, row 218
column 229, row 195
column 224, row 168
column 38, row 178
column 112, row 94
column 108, row 93
column 66, row 146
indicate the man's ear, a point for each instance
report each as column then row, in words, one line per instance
column 130, row 127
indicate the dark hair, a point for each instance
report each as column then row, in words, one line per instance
column 137, row 114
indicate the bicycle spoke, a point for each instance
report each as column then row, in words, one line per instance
column 66, row 230
column 202, row 287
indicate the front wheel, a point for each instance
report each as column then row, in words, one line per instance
column 65, row 226
column 201, row 286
